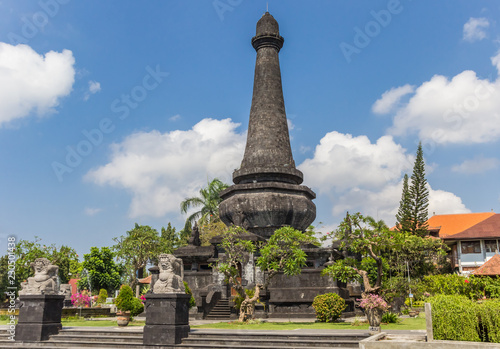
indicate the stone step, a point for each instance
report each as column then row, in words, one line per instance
column 101, row 339
column 269, row 343
column 100, row 332
column 276, row 335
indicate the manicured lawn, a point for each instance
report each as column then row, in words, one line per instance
column 405, row 324
column 82, row 322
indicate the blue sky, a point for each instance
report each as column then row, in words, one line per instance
column 112, row 112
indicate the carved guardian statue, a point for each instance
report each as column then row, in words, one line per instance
column 170, row 279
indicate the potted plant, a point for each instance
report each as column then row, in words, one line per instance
column 374, row 307
column 128, row 305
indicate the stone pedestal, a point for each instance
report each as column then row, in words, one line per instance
column 39, row 317
column 167, row 319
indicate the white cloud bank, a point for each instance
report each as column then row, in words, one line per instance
column 474, row 29
column 162, row 169
column 465, row 109
column 357, row 175
column 391, row 98
column 30, row 82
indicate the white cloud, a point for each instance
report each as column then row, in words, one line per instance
column 478, row 164
column 94, row 87
column 174, row 118
column 359, row 176
column 464, row 109
column 474, row 29
column 90, row 211
column 30, row 82
column 162, row 169
column 391, row 98
column 342, row 161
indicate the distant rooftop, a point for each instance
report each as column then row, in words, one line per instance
column 451, row 224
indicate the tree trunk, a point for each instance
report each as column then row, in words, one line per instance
column 366, row 283
column 248, row 305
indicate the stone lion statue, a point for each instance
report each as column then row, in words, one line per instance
column 171, row 275
column 44, row 281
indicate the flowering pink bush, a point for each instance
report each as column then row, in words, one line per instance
column 80, row 300
column 143, row 299
column 373, row 301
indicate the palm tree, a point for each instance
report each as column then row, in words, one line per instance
column 208, row 200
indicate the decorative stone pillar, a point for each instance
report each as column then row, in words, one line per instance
column 39, row 317
column 40, row 304
column 167, row 307
column 167, row 319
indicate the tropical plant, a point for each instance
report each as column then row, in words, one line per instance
column 373, row 301
column 125, row 301
column 208, row 202
column 81, row 300
column 328, row 307
column 390, row 318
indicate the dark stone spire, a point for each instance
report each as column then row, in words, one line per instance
column 268, row 155
column 266, row 194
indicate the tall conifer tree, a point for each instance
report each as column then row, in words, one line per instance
column 403, row 217
column 419, row 195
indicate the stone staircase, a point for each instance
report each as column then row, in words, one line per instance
column 131, row 338
column 221, row 311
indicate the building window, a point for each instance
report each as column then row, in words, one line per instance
column 471, row 247
column 490, row 245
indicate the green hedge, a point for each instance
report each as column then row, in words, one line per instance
column 473, row 287
column 460, row 319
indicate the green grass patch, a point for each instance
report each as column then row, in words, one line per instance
column 406, row 324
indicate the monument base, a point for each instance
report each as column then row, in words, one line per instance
column 167, row 319
column 39, row 317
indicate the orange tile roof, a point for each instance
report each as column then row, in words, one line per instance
column 491, row 267
column 146, row 280
column 450, row 224
column 486, row 229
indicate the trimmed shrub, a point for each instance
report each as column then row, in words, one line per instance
column 328, row 307
column 454, row 318
column 137, row 307
column 124, row 300
column 103, row 294
column 489, row 320
column 473, row 287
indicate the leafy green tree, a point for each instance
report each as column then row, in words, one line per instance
column 103, row 272
column 388, row 249
column 27, row 251
column 208, row 202
column 419, row 195
column 403, row 217
column 4, row 277
column 169, row 240
column 136, row 249
column 281, row 253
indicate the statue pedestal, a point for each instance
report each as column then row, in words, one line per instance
column 39, row 317
column 167, row 318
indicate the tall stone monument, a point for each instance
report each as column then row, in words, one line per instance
column 267, row 194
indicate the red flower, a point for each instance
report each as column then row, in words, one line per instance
column 466, row 281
